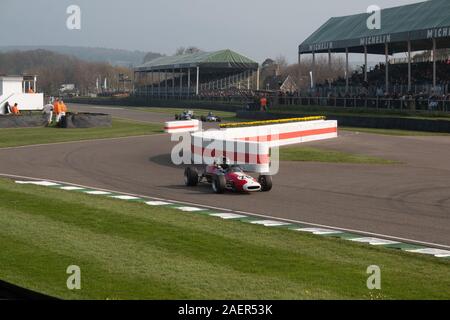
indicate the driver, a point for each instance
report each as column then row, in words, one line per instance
column 223, row 163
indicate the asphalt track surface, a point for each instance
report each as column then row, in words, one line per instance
column 409, row 200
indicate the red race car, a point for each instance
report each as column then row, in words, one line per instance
column 222, row 176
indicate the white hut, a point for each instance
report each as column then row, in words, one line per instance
column 13, row 89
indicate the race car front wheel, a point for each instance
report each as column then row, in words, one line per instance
column 219, row 184
column 190, row 177
column 265, row 182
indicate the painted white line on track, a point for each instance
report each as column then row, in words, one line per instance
column 125, row 197
column 71, row 188
column 435, row 252
column 158, row 203
column 98, row 192
column 190, row 209
column 319, row 231
column 228, row 216
column 374, row 241
column 406, row 240
column 39, row 183
column 270, row 223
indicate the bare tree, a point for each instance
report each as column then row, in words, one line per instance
column 189, row 50
column 282, row 62
column 180, row 51
column 192, row 49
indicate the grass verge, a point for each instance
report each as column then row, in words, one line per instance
column 309, row 154
column 394, row 132
column 128, row 250
column 29, row 136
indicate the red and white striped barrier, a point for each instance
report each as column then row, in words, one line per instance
column 287, row 133
column 207, row 146
column 182, row 126
column 250, row 146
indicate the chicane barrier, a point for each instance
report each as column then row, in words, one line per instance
column 250, row 147
column 182, row 126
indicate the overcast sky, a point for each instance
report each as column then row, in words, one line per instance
column 256, row 28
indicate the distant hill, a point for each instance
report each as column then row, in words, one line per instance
column 115, row 57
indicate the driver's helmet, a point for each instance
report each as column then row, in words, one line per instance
column 224, row 163
column 210, row 114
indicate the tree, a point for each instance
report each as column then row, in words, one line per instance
column 180, row 51
column 189, row 50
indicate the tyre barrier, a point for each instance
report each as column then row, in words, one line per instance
column 86, row 120
column 22, row 121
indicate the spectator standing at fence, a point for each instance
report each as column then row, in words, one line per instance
column 263, row 103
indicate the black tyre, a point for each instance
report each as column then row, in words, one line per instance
column 190, row 177
column 203, row 118
column 219, row 120
column 219, row 184
column 265, row 182
column 177, row 117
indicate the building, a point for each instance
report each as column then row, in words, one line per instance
column 404, row 29
column 194, row 74
column 13, row 89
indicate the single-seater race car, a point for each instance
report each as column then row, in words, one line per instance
column 186, row 115
column 210, row 118
column 222, row 176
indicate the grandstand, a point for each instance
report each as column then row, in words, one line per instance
column 405, row 29
column 219, row 73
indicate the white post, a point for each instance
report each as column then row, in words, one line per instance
column 189, row 82
column 299, row 72
column 434, row 64
column 386, row 49
column 159, row 84
column 165, row 84
column 313, row 71
column 365, row 63
column 257, row 79
column 197, row 81
column 152, row 84
column 181, row 82
column 173, row 82
column 346, row 71
column 409, row 65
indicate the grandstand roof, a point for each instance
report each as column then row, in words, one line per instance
column 419, row 22
column 218, row 59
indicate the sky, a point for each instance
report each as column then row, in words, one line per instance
column 256, row 28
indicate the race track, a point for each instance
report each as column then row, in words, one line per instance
column 409, row 200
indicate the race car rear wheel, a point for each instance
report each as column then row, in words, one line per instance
column 203, row 118
column 219, row 184
column 265, row 182
column 190, row 177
